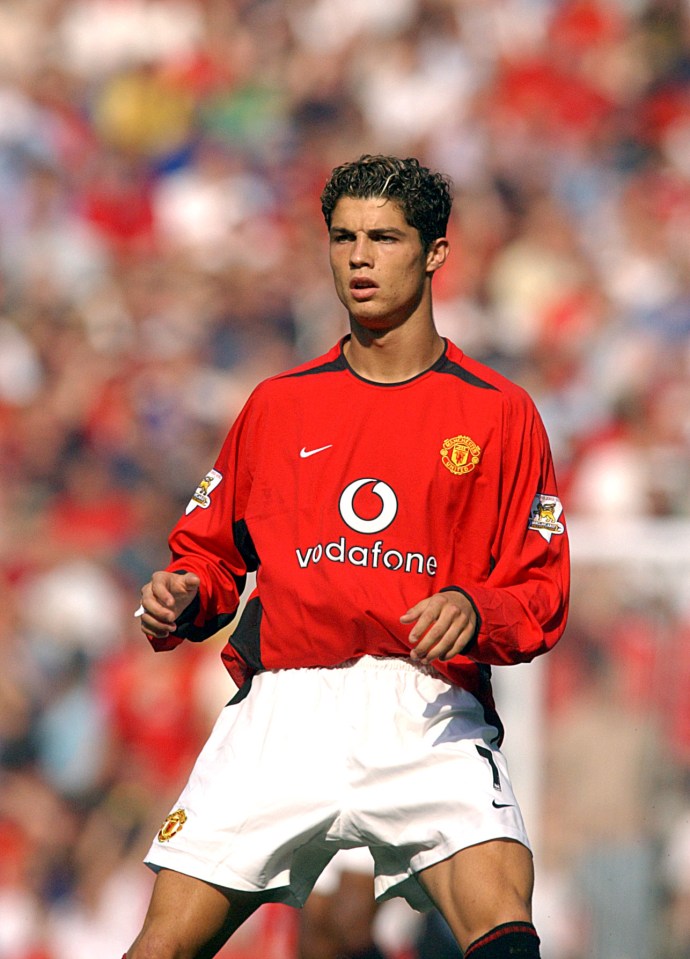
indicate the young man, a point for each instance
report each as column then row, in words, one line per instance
column 398, row 503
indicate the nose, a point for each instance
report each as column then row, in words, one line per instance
column 361, row 251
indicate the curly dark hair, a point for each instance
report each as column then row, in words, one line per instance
column 424, row 197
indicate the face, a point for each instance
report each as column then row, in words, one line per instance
column 381, row 271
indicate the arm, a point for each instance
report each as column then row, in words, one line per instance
column 211, row 549
column 520, row 610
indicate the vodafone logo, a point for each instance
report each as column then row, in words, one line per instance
column 386, row 515
column 367, row 506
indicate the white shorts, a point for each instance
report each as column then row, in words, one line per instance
column 376, row 752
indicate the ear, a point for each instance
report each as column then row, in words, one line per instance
column 436, row 254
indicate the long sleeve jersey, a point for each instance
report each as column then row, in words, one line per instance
column 354, row 500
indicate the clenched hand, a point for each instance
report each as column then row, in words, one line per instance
column 163, row 599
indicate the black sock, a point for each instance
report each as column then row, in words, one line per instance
column 510, row 940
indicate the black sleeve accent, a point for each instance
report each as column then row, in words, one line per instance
column 185, row 621
column 473, row 641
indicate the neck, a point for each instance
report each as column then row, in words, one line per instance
column 393, row 356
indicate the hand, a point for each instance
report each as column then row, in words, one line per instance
column 163, row 599
column 444, row 625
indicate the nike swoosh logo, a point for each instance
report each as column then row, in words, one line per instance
column 304, row 453
column 501, row 805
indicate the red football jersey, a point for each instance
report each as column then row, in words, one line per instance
column 354, row 500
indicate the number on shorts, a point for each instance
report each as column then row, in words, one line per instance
column 488, row 755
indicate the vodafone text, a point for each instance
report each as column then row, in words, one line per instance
column 372, row 557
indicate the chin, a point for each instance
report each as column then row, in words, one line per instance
column 374, row 324
column 375, row 328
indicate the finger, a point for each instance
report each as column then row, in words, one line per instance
column 153, row 627
column 437, row 642
column 161, row 588
column 153, row 608
column 444, row 649
column 156, row 619
column 441, row 637
column 154, row 612
column 180, row 588
column 430, row 614
column 411, row 615
column 190, row 581
column 456, row 648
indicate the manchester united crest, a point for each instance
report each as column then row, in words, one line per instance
column 460, row 454
column 172, row 825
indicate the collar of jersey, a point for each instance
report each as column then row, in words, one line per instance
column 437, row 364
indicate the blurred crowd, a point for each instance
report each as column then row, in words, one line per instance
column 162, row 249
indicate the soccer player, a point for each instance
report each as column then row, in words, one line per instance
column 398, row 503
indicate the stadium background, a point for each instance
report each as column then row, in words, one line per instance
column 161, row 250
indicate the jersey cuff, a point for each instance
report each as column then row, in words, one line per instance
column 473, row 641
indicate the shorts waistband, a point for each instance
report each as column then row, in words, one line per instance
column 368, row 661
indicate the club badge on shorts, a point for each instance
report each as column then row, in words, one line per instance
column 172, row 825
column 544, row 516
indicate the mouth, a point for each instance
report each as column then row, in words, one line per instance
column 362, row 288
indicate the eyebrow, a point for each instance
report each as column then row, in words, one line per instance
column 373, row 232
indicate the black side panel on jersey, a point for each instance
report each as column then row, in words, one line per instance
column 246, row 637
column 445, row 365
column 245, row 544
